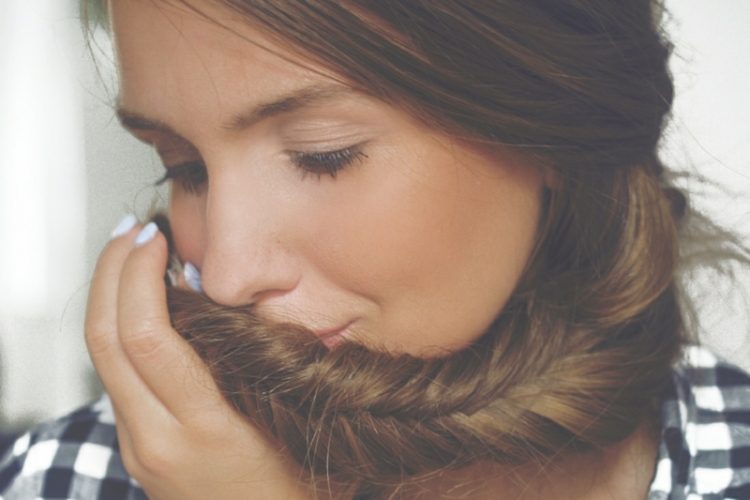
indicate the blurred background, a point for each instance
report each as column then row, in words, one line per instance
column 68, row 173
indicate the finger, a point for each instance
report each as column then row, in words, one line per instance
column 101, row 314
column 175, row 374
column 125, row 444
column 114, row 368
column 139, row 459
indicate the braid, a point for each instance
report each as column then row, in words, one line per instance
column 534, row 386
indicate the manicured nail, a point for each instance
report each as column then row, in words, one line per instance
column 172, row 277
column 192, row 277
column 126, row 224
column 147, row 234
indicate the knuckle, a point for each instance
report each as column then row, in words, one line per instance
column 130, row 462
column 154, row 460
column 98, row 339
column 142, row 337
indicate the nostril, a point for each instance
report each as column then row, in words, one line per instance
column 267, row 295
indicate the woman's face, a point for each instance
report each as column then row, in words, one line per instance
column 318, row 204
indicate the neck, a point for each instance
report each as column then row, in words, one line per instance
column 621, row 472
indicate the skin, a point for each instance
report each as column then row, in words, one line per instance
column 178, row 437
column 415, row 246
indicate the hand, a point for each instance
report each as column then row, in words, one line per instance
column 178, row 436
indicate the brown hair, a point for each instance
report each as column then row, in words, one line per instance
column 582, row 352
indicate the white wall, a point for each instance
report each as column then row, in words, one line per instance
column 710, row 135
column 68, row 172
column 42, row 207
column 59, row 200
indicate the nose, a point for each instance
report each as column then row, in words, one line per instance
column 247, row 257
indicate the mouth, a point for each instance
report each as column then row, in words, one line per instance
column 333, row 336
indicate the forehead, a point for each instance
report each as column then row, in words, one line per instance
column 171, row 55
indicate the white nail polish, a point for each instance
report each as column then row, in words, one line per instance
column 147, row 234
column 192, row 277
column 172, row 277
column 126, row 224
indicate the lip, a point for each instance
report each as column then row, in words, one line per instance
column 333, row 336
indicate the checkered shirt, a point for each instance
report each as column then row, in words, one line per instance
column 704, row 453
column 76, row 457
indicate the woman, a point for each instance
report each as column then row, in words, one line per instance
column 437, row 259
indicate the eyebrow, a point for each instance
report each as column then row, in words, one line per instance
column 306, row 97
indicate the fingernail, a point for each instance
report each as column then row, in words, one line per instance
column 126, row 224
column 172, row 276
column 147, row 234
column 192, row 277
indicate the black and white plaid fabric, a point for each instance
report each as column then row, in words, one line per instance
column 704, row 452
column 705, row 447
column 76, row 457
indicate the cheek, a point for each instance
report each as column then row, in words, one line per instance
column 438, row 246
column 188, row 221
column 373, row 230
column 408, row 223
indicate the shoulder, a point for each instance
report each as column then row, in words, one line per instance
column 705, row 444
column 75, row 457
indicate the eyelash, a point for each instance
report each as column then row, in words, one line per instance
column 192, row 175
column 327, row 163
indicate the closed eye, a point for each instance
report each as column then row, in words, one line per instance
column 327, row 163
column 191, row 176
